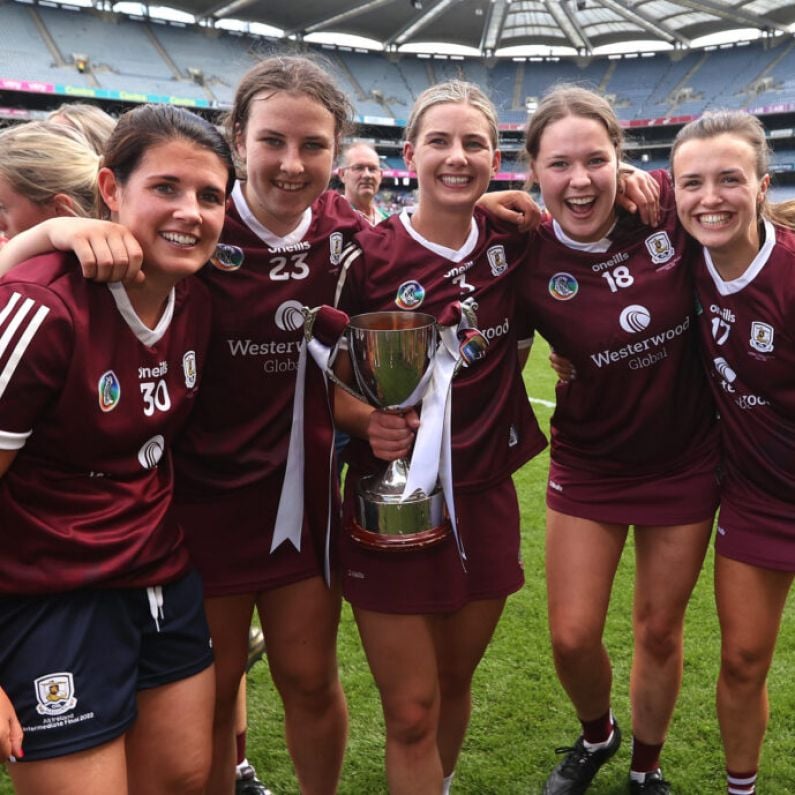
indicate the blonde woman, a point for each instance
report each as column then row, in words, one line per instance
column 46, row 171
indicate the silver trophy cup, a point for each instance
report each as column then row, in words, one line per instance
column 391, row 354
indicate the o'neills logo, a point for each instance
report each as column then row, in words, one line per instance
column 410, row 295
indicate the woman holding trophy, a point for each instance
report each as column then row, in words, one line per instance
column 427, row 614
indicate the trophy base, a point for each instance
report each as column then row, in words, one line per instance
column 407, row 542
column 383, row 522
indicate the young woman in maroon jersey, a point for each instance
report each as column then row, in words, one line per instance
column 284, row 238
column 104, row 650
column 281, row 249
column 633, row 436
column 746, row 292
column 424, row 618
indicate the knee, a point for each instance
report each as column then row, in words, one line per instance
column 571, row 644
column 743, row 666
column 659, row 638
column 411, row 722
column 316, row 689
column 188, row 775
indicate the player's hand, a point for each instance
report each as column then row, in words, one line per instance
column 10, row 730
column 563, row 368
column 514, row 206
column 391, row 435
column 107, row 251
column 638, row 192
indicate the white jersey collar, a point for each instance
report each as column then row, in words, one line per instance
column 595, row 247
column 147, row 336
column 751, row 272
column 261, row 231
column 454, row 255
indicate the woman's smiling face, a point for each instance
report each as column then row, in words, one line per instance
column 576, row 170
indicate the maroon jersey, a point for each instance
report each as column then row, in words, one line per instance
column 240, row 430
column 624, row 315
column 748, row 334
column 493, row 427
column 92, row 400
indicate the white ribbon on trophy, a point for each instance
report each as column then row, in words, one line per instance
column 290, row 514
column 432, row 454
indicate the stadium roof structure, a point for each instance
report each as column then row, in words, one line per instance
column 501, row 27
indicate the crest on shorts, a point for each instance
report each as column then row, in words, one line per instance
column 563, row 286
column 335, row 247
column 659, row 247
column 497, row 260
column 109, row 390
column 55, row 693
column 761, row 336
column 227, row 258
column 189, row 368
column 410, row 295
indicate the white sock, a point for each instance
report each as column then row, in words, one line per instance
column 239, row 768
column 641, row 777
column 446, row 782
column 597, row 746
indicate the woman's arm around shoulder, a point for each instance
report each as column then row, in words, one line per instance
column 107, row 251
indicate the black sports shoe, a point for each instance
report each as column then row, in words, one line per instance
column 653, row 784
column 249, row 784
column 573, row 775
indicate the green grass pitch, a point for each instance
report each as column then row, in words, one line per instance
column 520, row 711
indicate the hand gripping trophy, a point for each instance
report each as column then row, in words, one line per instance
column 401, row 359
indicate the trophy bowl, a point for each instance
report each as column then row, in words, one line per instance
column 392, row 357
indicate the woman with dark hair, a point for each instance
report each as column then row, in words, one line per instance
column 104, row 648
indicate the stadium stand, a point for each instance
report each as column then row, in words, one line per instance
column 64, row 51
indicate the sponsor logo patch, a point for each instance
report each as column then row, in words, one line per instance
column 151, row 452
column 290, row 316
column 724, row 370
column 634, row 318
column 563, row 286
column 109, row 390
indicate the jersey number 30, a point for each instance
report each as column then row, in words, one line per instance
column 155, row 395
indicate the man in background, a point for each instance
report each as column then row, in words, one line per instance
column 360, row 173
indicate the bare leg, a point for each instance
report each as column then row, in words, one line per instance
column 668, row 562
column 96, row 771
column 300, row 625
column 169, row 745
column 402, row 657
column 581, row 561
column 750, row 604
column 229, row 618
column 460, row 639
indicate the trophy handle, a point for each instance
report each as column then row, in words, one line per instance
column 332, row 376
